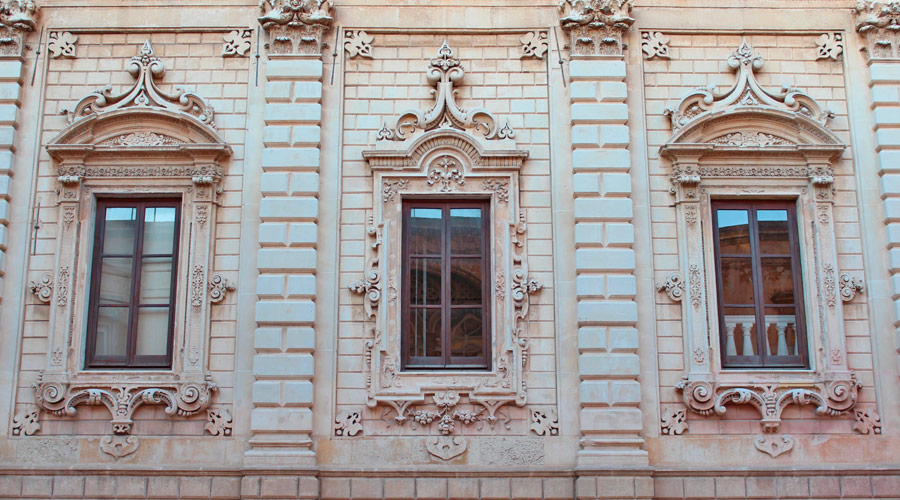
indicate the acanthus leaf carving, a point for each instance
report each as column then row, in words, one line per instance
column 444, row 73
column 751, row 139
column 390, row 188
column 181, row 398
column 674, row 421
column 445, row 171
column 197, row 286
column 348, row 423
column 596, row 27
column 867, row 421
column 42, row 288
column 773, row 444
column 500, row 188
column 16, row 18
column 237, row 43
column 655, row 44
column 218, row 422
column 358, row 43
column 832, row 397
column 219, row 287
column 296, row 26
column 830, row 46
column 61, row 44
column 26, row 423
column 850, row 286
column 879, row 22
column 745, row 92
column 673, row 286
column 535, row 44
column 544, row 422
column 146, row 68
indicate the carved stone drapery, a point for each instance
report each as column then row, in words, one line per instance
column 17, row 17
column 879, row 23
column 831, row 397
column 596, row 27
column 444, row 73
column 296, row 26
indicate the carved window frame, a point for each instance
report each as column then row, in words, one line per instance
column 417, row 169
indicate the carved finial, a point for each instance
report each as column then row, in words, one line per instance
column 596, row 27
column 146, row 68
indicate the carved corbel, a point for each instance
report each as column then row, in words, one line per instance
column 296, row 27
column 673, row 286
column 219, row 287
column 835, row 395
column 17, row 18
column 42, row 288
column 850, row 286
column 596, row 27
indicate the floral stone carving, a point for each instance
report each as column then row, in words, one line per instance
column 655, row 44
column 348, row 424
column 237, row 43
column 370, row 287
column 42, row 288
column 219, row 287
column 867, row 421
column 119, row 446
column 358, row 43
column 850, row 286
column 746, row 92
column 296, row 26
column 773, row 445
column 444, row 73
column 674, row 286
column 61, row 44
column 219, row 422
column 146, row 68
column 879, row 22
column 26, row 423
column 830, row 46
column 535, row 44
column 596, row 27
column 544, row 422
column 674, row 422
column 831, row 397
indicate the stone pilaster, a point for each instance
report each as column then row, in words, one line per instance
column 883, row 56
column 608, row 366
column 282, row 394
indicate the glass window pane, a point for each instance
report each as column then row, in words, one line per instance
column 781, row 331
column 112, row 332
column 152, row 331
column 159, row 230
column 115, row 281
column 466, row 236
column 466, row 338
column 118, row 233
column 740, row 331
column 773, row 232
column 156, row 280
column 425, row 332
column 737, row 281
column 425, row 281
column 425, row 226
column 778, row 280
column 734, row 232
column 465, row 281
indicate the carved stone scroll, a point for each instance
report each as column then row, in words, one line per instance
column 42, row 288
column 237, row 43
column 61, row 44
column 146, row 68
column 655, row 44
column 358, row 43
column 444, row 73
column 674, row 286
column 850, row 286
column 219, row 287
column 596, row 27
column 296, row 26
column 535, row 44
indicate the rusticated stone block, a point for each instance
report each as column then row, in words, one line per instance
column 278, row 487
column 885, row 486
column 586, row 487
column 495, row 489
column 105, row 487
column 10, row 486
column 559, row 489
column 160, row 487
column 37, row 486
column 668, row 487
column 731, row 487
column 615, row 487
column 194, row 487
column 431, row 488
column 700, row 487
column 365, row 488
column 401, row 488
column 825, row 487
column 792, row 487
column 760, row 487
column 135, row 487
column 250, row 487
column 857, row 486
column 225, row 488
column 462, row 489
column 309, row 487
column 643, row 487
column 68, row 486
column 335, row 488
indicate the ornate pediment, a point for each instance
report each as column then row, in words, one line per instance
column 296, row 26
column 745, row 95
column 444, row 73
column 596, row 27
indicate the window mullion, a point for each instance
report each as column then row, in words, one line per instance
column 136, row 285
column 445, row 282
column 759, row 300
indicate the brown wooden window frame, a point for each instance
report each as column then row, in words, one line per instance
column 763, row 360
column 131, row 359
column 446, row 361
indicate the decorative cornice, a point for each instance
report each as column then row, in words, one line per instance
column 296, row 26
column 832, row 396
column 596, row 27
column 745, row 93
column 879, row 23
column 145, row 68
column 445, row 72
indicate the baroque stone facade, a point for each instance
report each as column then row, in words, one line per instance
column 603, row 144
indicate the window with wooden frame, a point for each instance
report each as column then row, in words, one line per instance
column 446, row 288
column 133, row 277
column 759, row 284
